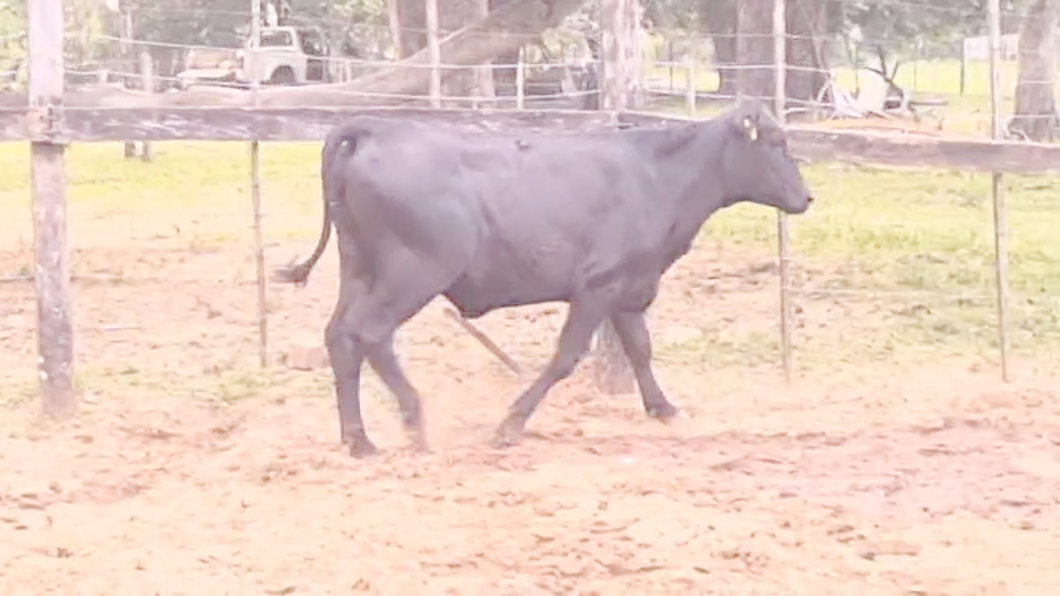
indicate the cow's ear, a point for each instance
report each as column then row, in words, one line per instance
column 749, row 125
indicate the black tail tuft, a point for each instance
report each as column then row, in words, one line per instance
column 293, row 274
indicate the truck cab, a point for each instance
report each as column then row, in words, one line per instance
column 286, row 56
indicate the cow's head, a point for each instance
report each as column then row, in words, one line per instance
column 758, row 167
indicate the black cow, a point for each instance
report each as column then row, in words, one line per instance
column 495, row 221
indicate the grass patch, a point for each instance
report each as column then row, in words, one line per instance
column 911, row 256
column 923, row 230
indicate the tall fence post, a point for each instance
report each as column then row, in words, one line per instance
column 333, row 69
column 128, row 147
column 520, row 79
column 255, row 195
column 431, row 7
column 964, row 64
column 55, row 334
column 691, row 92
column 670, row 60
column 147, row 80
column 619, row 20
column 783, row 235
column 1000, row 223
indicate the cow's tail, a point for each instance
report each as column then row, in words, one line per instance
column 341, row 141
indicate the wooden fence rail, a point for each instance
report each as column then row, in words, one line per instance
column 312, row 124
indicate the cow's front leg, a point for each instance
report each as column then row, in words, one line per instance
column 573, row 343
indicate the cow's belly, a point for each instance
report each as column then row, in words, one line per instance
column 495, row 282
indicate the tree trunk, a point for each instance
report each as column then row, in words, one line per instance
column 719, row 20
column 756, row 56
column 410, row 31
column 619, row 37
column 455, row 14
column 593, row 72
column 484, row 86
column 807, row 27
column 412, row 19
column 754, row 49
column 1036, row 114
column 393, row 14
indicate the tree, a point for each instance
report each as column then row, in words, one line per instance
column 452, row 15
column 719, row 20
column 742, row 33
column 1036, row 114
column 892, row 31
column 12, row 41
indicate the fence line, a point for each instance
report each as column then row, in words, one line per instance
column 780, row 62
column 648, row 84
column 1000, row 222
column 780, row 71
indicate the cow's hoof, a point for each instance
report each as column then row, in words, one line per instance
column 362, row 448
column 507, row 435
column 663, row 412
column 504, row 440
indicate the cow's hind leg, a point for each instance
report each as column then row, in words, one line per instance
column 574, row 339
column 401, row 286
column 367, row 331
column 347, row 353
column 363, row 326
column 384, row 362
column 632, row 331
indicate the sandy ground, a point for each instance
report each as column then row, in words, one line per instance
column 191, row 471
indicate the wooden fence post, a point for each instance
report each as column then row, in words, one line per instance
column 997, row 189
column 691, row 92
column 520, row 80
column 780, row 62
column 431, row 7
column 255, row 199
column 47, row 171
column 128, row 147
column 147, row 77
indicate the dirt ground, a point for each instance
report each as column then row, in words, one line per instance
column 191, row 471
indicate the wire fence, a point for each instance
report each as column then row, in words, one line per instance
column 943, row 79
column 893, row 267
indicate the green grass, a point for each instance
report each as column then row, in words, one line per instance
column 913, row 247
column 916, row 248
column 910, row 252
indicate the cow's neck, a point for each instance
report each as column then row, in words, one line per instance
column 692, row 177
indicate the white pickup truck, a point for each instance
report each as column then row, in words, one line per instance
column 287, row 56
